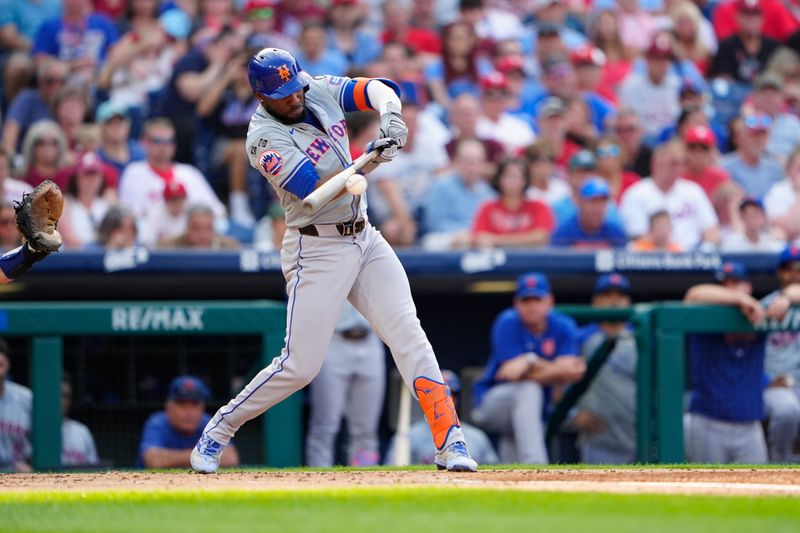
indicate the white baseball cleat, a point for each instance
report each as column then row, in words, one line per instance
column 206, row 455
column 455, row 458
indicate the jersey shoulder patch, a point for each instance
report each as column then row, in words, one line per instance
column 271, row 162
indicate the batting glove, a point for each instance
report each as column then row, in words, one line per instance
column 386, row 148
column 393, row 127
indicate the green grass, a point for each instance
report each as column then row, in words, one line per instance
column 388, row 510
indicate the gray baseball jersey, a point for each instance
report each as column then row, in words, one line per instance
column 783, row 347
column 322, row 272
column 77, row 444
column 284, row 153
column 15, row 425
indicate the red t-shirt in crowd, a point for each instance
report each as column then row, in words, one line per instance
column 495, row 218
column 614, row 73
column 419, row 39
column 779, row 23
column 628, row 179
column 711, row 178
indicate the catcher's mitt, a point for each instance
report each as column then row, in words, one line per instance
column 37, row 217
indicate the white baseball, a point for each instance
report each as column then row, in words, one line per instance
column 356, row 184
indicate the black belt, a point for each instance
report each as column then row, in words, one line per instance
column 345, row 229
column 354, row 334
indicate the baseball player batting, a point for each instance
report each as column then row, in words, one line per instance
column 298, row 140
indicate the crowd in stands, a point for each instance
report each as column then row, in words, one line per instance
column 666, row 125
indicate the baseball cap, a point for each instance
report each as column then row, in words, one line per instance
column 749, row 6
column 661, row 47
column 689, row 87
column 494, row 81
column 758, row 122
column 588, row 55
column 176, row 23
column 88, row 161
column 552, row 105
column 595, row 187
column 174, row 190
column 790, row 254
column 768, row 80
column 452, row 380
column 188, row 388
column 731, row 270
column 532, row 285
column 258, row 5
column 582, row 160
column 110, row 109
column 751, row 200
column 612, row 282
column 510, row 64
column 699, row 134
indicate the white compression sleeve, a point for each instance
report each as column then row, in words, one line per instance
column 382, row 98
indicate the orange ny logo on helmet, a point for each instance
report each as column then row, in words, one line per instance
column 284, row 72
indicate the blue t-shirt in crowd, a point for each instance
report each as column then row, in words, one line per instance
column 93, row 40
column 727, row 376
column 566, row 208
column 570, row 233
column 757, row 180
column 26, row 108
column 174, row 105
column 451, row 206
column 136, row 151
column 158, row 433
column 366, row 50
column 28, row 16
column 332, row 62
column 599, row 108
column 511, row 338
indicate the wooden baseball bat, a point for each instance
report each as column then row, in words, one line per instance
column 326, row 192
column 402, row 441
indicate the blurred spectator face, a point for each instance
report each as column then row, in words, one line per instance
column 200, row 231
column 53, row 77
column 345, row 15
column 661, row 229
column 668, row 165
column 459, row 40
column 657, row 68
column 588, row 76
column 698, row 157
column 629, row 132
column 217, row 9
column 313, row 41
column 464, row 115
column 88, row 138
column 792, row 169
column 512, row 182
column 685, row 28
column 541, row 168
column 592, row 212
column 768, row 100
column 495, row 102
column 184, row 415
column 548, row 45
column 396, row 15
column 76, row 6
column 755, row 134
column 45, row 151
column 553, row 13
column 533, row 311
column 738, row 285
column 750, row 24
column 395, row 60
column 71, row 111
column 9, row 235
column 553, row 127
column 578, row 115
column 470, row 161
column 789, row 273
column 145, row 7
column 159, row 143
column 89, row 181
column 611, row 298
column 175, row 206
column 629, row 6
column 116, row 130
column 754, row 219
column 560, row 80
column 609, row 158
column 606, row 29
column 471, row 15
column 124, row 236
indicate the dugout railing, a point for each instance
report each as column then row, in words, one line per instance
column 660, row 331
column 47, row 323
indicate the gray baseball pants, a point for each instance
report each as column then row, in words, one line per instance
column 708, row 440
column 782, row 405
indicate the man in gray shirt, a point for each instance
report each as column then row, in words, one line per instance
column 782, row 363
column 750, row 165
column 606, row 415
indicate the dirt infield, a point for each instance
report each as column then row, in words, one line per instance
column 777, row 482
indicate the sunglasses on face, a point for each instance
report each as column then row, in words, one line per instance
column 611, row 150
column 698, row 147
column 791, row 267
column 161, row 140
column 754, row 122
column 53, row 80
column 40, row 142
column 625, row 129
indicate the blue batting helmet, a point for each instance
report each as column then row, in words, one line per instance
column 275, row 74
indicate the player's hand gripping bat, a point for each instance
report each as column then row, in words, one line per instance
column 329, row 190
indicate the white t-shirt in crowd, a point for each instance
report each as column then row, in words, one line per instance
column 686, row 202
column 738, row 242
column 85, row 221
column 14, row 189
column 779, row 199
column 510, row 131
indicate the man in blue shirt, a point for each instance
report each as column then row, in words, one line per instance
column 533, row 351
column 591, row 227
column 169, row 436
column 727, row 378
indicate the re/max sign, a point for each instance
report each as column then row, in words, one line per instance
column 157, row 319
